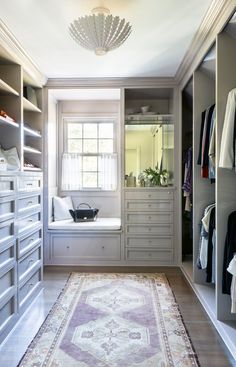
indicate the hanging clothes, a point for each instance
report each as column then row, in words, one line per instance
column 187, row 185
column 205, row 142
column 230, row 249
column 232, row 270
column 212, row 152
column 205, row 136
column 228, row 140
column 207, row 243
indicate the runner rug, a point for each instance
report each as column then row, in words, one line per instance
column 113, row 320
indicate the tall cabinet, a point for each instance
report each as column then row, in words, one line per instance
column 148, row 195
column 212, row 81
column 20, row 193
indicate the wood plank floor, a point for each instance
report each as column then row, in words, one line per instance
column 208, row 345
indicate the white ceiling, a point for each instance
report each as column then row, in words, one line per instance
column 162, row 32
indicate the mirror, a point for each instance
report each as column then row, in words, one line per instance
column 148, row 146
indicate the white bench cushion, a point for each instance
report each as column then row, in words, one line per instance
column 99, row 225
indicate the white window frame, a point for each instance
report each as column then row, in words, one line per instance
column 96, row 118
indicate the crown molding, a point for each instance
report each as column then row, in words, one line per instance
column 213, row 22
column 56, row 83
column 12, row 51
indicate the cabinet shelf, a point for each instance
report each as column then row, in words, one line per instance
column 6, row 122
column 7, row 89
column 31, row 150
column 31, row 132
column 148, row 119
column 33, row 169
column 28, row 106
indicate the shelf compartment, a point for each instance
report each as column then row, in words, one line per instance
column 7, row 89
column 31, row 132
column 28, row 106
column 7, row 122
column 31, row 150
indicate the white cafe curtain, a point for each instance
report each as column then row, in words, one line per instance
column 72, row 171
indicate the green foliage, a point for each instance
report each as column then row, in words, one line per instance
column 153, row 177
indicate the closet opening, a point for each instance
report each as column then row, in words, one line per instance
column 187, row 150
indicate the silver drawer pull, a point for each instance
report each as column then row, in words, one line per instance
column 29, row 184
column 149, row 254
column 149, row 229
column 30, row 220
column 68, row 247
column 29, row 203
column 150, row 241
column 103, row 247
column 30, row 262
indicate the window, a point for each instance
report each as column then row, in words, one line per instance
column 89, row 159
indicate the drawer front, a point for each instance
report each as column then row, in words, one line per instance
column 6, row 231
column 29, row 221
column 7, row 254
column 26, row 243
column 29, row 287
column 29, row 262
column 157, row 242
column 164, row 229
column 7, row 311
column 7, row 282
column 7, row 208
column 29, row 202
column 149, row 218
column 82, row 248
column 149, row 255
column 27, row 184
column 159, row 205
column 149, row 195
column 7, row 186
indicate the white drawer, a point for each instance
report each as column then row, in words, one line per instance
column 27, row 242
column 150, row 229
column 149, row 255
column 7, row 282
column 7, row 312
column 157, row 242
column 7, row 207
column 158, row 218
column 149, row 194
column 158, row 205
column 29, row 262
column 7, row 254
column 6, row 231
column 29, row 184
column 26, row 290
column 85, row 248
column 27, row 222
column 7, row 186
column 27, row 203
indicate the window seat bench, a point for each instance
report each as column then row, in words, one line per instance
column 101, row 224
column 87, row 243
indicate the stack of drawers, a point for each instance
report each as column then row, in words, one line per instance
column 8, row 267
column 29, row 244
column 149, row 225
column 20, row 245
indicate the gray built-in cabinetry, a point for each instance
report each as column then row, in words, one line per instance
column 211, row 82
column 148, row 207
column 20, row 195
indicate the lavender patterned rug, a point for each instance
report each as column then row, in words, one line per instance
column 113, row 320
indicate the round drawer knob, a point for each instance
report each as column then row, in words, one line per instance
column 67, row 247
column 103, row 247
column 149, row 195
column 149, row 229
column 149, row 254
column 149, row 217
column 150, row 241
column 149, row 205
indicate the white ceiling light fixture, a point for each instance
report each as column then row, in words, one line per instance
column 100, row 32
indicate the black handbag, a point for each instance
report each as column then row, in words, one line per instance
column 86, row 214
